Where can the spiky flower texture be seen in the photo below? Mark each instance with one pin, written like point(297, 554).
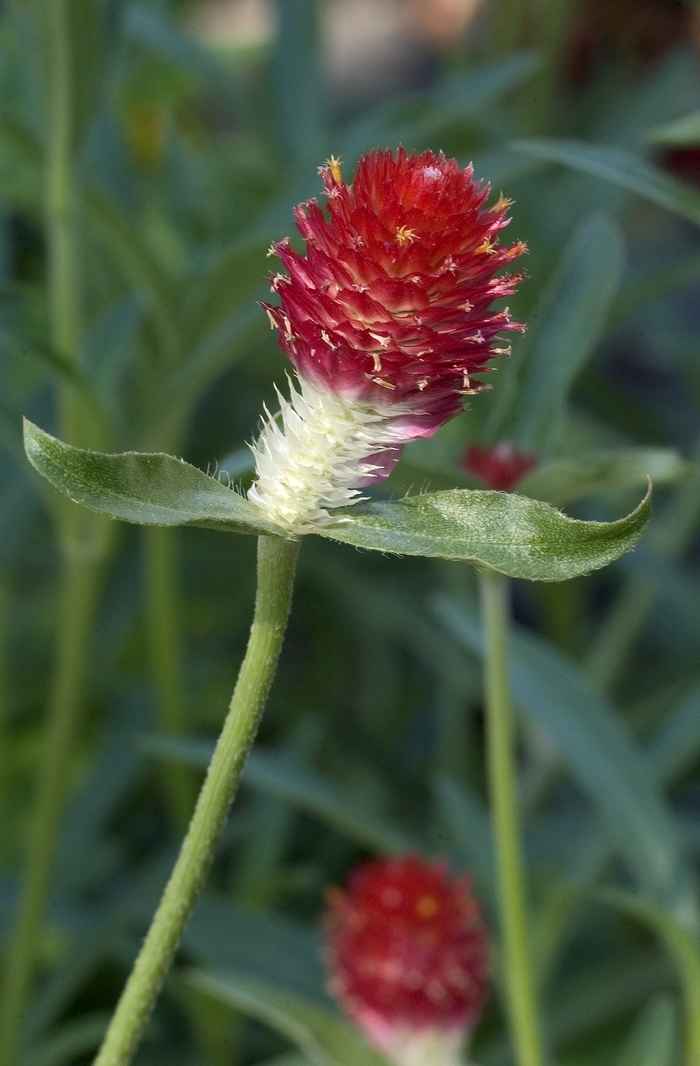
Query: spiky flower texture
point(408, 957)
point(386, 319)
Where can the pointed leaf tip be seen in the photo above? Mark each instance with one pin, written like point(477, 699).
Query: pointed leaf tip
point(149, 489)
point(511, 534)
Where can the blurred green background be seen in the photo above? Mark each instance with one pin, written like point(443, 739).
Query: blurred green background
point(190, 130)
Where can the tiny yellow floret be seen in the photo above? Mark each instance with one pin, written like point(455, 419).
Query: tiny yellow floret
point(334, 164)
point(404, 235)
point(427, 907)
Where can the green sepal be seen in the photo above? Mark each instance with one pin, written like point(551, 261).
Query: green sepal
point(149, 489)
point(511, 534)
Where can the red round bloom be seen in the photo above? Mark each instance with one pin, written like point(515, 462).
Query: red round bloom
point(407, 951)
point(499, 468)
point(392, 302)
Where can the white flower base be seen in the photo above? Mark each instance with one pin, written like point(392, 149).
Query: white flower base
point(315, 453)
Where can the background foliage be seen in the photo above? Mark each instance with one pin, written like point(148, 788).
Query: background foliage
point(188, 160)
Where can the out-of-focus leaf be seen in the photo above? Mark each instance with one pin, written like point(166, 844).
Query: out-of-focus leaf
point(568, 322)
point(621, 168)
point(560, 481)
point(141, 272)
point(266, 946)
point(72, 1041)
point(298, 786)
point(652, 1041)
point(147, 489)
point(684, 951)
point(682, 131)
point(470, 834)
point(458, 97)
point(507, 533)
point(235, 277)
point(299, 98)
point(239, 333)
point(601, 756)
point(681, 273)
point(675, 747)
point(599, 993)
point(323, 1036)
point(18, 502)
point(146, 27)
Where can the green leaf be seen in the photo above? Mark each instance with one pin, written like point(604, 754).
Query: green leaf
point(575, 476)
point(232, 279)
point(508, 533)
point(261, 944)
point(73, 1040)
point(601, 755)
point(147, 489)
point(470, 834)
point(324, 1037)
point(652, 1041)
point(685, 130)
point(674, 748)
point(118, 233)
point(684, 951)
point(296, 77)
point(620, 168)
point(302, 788)
point(568, 323)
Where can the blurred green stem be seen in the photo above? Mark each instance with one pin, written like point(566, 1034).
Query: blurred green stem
point(500, 744)
point(276, 565)
point(83, 539)
point(81, 585)
point(163, 618)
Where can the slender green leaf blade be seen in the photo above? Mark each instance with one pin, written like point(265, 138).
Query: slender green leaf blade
point(325, 1038)
point(675, 747)
point(682, 948)
point(682, 131)
point(507, 533)
point(305, 789)
point(567, 325)
point(155, 489)
point(652, 1041)
point(620, 168)
point(574, 476)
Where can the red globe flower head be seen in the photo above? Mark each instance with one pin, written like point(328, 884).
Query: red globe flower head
point(392, 302)
point(407, 953)
point(386, 318)
point(500, 468)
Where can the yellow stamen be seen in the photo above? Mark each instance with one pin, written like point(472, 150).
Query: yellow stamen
point(334, 164)
point(485, 248)
point(427, 907)
point(404, 235)
point(502, 204)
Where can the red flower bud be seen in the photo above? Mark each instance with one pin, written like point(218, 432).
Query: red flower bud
point(408, 956)
point(499, 468)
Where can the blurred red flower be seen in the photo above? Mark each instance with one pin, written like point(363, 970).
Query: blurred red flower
point(499, 468)
point(407, 951)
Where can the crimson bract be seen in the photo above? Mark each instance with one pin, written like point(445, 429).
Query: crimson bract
point(386, 318)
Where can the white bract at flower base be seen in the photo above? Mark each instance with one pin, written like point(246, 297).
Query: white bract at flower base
point(427, 1047)
point(318, 452)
